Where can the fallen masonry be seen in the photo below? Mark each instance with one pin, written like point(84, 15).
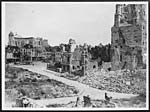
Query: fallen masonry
point(121, 81)
point(57, 102)
point(34, 86)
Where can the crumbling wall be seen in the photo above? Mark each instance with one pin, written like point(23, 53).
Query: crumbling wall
point(127, 46)
point(75, 65)
point(106, 65)
point(92, 65)
point(130, 14)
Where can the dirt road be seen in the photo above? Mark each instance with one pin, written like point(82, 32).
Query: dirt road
point(84, 89)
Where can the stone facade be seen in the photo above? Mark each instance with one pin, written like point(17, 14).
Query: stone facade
point(17, 40)
point(45, 43)
point(129, 37)
point(71, 59)
point(9, 56)
point(75, 59)
point(38, 45)
point(79, 60)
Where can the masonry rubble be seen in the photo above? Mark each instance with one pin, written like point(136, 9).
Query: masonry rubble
point(76, 60)
point(121, 81)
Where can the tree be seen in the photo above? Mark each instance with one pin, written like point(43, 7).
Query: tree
point(102, 51)
point(48, 49)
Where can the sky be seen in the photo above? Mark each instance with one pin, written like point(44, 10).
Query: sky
point(58, 22)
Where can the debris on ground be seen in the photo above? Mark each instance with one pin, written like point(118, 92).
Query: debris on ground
point(34, 86)
point(117, 81)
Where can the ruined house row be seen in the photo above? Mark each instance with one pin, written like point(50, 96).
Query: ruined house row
point(76, 59)
point(29, 46)
point(17, 40)
point(128, 37)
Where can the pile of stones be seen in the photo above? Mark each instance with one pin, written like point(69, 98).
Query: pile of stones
point(37, 86)
point(117, 81)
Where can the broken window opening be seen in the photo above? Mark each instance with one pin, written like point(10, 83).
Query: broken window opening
point(94, 66)
point(68, 59)
point(120, 57)
point(143, 27)
point(123, 40)
point(136, 41)
point(73, 67)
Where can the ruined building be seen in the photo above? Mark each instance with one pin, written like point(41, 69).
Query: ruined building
point(37, 46)
point(128, 37)
point(76, 59)
point(17, 40)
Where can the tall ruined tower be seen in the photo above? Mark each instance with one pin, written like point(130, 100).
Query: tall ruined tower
point(117, 15)
point(72, 45)
point(84, 59)
point(128, 36)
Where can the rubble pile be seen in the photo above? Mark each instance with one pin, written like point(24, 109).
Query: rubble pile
point(36, 86)
point(117, 81)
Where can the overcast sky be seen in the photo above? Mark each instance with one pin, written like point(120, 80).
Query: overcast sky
point(86, 23)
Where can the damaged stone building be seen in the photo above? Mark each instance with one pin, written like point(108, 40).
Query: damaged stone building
point(129, 37)
point(17, 40)
point(31, 46)
point(77, 59)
